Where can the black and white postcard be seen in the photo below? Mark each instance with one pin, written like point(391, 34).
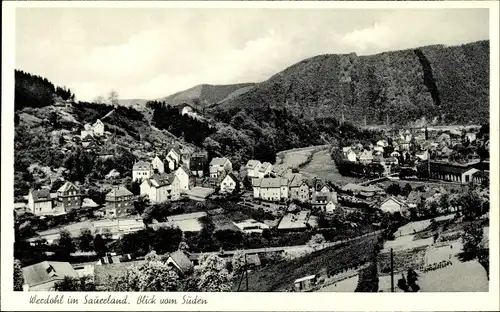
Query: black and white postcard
point(292, 155)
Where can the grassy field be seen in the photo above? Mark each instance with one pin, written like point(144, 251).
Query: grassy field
point(280, 276)
point(323, 166)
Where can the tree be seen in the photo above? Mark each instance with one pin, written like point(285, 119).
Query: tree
point(237, 263)
point(151, 275)
point(113, 97)
point(406, 190)
point(412, 278)
point(183, 246)
point(83, 283)
point(141, 203)
point(394, 189)
point(472, 238)
point(214, 276)
point(471, 203)
point(135, 187)
point(18, 276)
point(99, 245)
point(317, 239)
point(65, 244)
point(85, 240)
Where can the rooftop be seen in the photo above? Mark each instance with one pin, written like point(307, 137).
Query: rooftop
point(46, 271)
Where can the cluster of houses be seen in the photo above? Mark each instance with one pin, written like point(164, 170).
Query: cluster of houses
point(281, 184)
point(42, 202)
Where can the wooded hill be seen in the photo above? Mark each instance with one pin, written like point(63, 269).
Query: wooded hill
point(446, 85)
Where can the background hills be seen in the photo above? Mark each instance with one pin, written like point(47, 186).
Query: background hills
point(300, 106)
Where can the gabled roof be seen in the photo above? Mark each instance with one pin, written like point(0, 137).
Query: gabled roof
point(161, 179)
point(66, 186)
point(232, 176)
point(366, 154)
point(119, 192)
point(41, 195)
point(175, 150)
point(252, 164)
point(273, 182)
point(184, 168)
point(256, 182)
point(182, 261)
point(142, 165)
point(346, 149)
point(264, 166)
point(156, 158)
point(393, 199)
point(218, 161)
point(297, 180)
point(46, 271)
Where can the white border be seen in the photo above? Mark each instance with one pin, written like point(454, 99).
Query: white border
point(253, 301)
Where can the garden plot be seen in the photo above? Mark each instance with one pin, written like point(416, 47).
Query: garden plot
point(467, 276)
point(347, 285)
point(403, 260)
point(436, 254)
point(406, 242)
point(417, 226)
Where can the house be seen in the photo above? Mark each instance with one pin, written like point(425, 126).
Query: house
point(142, 170)
point(252, 167)
point(40, 202)
point(43, 276)
point(197, 163)
point(392, 205)
point(228, 184)
point(451, 172)
point(173, 158)
point(161, 187)
point(186, 178)
point(251, 226)
point(480, 177)
point(88, 140)
point(350, 155)
point(378, 150)
point(84, 133)
point(118, 201)
point(422, 155)
point(366, 157)
point(218, 165)
point(158, 165)
point(382, 143)
point(299, 188)
point(264, 169)
point(181, 263)
point(98, 128)
point(326, 201)
point(271, 189)
point(69, 196)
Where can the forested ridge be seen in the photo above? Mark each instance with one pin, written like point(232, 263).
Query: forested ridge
point(446, 85)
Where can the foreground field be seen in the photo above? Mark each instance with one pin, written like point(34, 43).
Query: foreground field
point(280, 276)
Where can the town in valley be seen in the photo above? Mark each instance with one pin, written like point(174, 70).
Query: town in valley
point(341, 173)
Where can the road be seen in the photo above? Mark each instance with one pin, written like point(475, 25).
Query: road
point(289, 248)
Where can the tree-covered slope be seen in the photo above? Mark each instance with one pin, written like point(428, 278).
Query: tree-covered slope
point(444, 84)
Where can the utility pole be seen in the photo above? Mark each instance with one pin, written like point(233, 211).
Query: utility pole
point(246, 271)
point(392, 271)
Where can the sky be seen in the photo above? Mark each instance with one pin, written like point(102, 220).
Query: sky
point(153, 52)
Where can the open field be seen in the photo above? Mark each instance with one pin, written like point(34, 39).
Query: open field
point(280, 276)
point(323, 166)
point(347, 285)
point(294, 158)
point(467, 276)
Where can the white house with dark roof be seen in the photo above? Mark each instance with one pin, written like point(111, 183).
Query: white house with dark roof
point(173, 158)
point(252, 167)
point(299, 187)
point(264, 169)
point(98, 128)
point(69, 196)
point(118, 201)
point(220, 166)
point(142, 170)
point(180, 262)
point(327, 201)
point(185, 177)
point(158, 165)
point(161, 188)
point(228, 184)
point(366, 156)
point(392, 205)
point(40, 202)
point(271, 189)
